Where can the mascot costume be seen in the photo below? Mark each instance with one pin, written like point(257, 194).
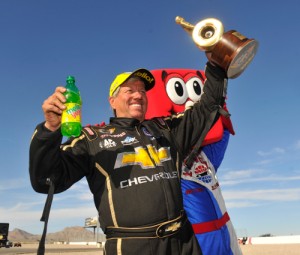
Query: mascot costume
point(175, 90)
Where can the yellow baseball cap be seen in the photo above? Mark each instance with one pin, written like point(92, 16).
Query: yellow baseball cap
point(144, 74)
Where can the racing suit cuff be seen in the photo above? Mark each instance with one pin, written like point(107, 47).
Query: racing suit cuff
point(44, 133)
point(216, 71)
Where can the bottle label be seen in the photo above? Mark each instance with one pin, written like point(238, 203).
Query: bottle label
point(72, 113)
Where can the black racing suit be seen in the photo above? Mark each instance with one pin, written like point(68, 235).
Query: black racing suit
point(132, 169)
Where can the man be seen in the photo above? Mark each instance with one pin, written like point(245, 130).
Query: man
point(132, 165)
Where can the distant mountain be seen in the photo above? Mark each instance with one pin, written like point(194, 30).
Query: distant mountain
point(72, 234)
point(69, 234)
point(21, 235)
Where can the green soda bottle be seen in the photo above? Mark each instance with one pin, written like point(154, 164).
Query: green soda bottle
point(71, 116)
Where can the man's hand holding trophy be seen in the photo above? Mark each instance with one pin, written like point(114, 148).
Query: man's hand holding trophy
point(230, 50)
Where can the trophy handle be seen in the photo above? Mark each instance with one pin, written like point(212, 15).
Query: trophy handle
point(188, 27)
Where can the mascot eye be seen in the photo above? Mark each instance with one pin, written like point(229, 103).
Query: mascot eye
point(176, 90)
point(195, 88)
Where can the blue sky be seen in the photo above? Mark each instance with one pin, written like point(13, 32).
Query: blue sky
point(42, 42)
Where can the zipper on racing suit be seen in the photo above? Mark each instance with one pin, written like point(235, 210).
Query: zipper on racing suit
point(158, 133)
point(144, 145)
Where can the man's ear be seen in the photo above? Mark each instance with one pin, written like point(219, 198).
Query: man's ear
point(111, 102)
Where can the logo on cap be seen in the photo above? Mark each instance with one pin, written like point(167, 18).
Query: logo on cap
point(145, 76)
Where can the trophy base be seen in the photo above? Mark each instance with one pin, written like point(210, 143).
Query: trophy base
point(242, 59)
point(234, 52)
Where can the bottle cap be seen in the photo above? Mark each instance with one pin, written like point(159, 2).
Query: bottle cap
point(70, 79)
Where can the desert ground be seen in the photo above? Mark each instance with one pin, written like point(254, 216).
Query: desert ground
point(248, 249)
point(271, 249)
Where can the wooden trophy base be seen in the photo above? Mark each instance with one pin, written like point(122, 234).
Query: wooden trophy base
point(234, 52)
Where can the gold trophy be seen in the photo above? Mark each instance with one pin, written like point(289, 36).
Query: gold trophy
point(230, 50)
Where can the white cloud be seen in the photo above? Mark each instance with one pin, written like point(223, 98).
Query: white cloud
point(255, 175)
point(297, 146)
point(264, 162)
point(18, 214)
point(12, 184)
point(73, 213)
point(238, 174)
point(80, 185)
point(263, 195)
point(79, 191)
point(274, 151)
point(267, 179)
point(280, 155)
point(240, 204)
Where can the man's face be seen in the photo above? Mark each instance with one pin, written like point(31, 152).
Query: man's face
point(131, 100)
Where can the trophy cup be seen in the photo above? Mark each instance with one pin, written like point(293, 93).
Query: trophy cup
point(230, 50)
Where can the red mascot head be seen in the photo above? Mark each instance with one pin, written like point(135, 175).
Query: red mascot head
point(177, 89)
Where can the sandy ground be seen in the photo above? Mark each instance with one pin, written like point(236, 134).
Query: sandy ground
point(271, 249)
point(64, 249)
point(248, 249)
